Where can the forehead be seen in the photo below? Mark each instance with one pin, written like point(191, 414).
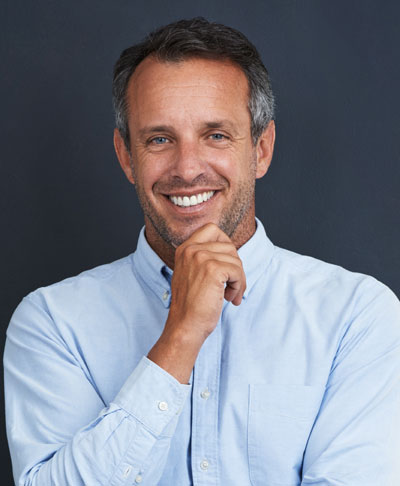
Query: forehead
point(193, 86)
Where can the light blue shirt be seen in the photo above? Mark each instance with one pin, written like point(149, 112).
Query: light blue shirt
point(300, 384)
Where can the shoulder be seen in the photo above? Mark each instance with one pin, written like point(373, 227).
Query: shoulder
point(364, 300)
point(97, 277)
point(310, 270)
point(72, 297)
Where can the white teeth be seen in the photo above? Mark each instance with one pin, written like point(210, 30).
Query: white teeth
point(186, 201)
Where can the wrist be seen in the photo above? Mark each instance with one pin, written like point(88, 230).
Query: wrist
point(176, 352)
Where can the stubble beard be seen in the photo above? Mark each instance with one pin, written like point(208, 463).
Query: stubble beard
point(229, 219)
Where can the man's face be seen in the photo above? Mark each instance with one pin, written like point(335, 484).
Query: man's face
point(192, 157)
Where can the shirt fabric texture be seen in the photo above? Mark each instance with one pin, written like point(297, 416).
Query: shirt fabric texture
point(299, 385)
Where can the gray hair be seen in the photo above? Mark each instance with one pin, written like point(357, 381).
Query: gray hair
point(200, 38)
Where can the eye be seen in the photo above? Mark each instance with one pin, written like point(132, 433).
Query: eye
point(218, 136)
point(159, 140)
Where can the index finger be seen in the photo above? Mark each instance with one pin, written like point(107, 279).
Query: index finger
point(207, 233)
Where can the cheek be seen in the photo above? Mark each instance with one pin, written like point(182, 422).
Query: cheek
point(236, 166)
point(149, 169)
point(223, 159)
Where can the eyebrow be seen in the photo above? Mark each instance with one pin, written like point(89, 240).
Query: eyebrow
point(155, 129)
point(217, 124)
point(222, 124)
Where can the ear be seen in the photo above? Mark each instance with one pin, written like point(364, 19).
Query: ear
point(123, 155)
point(265, 149)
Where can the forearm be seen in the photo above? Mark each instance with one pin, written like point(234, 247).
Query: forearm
point(176, 353)
point(207, 270)
point(99, 454)
point(129, 438)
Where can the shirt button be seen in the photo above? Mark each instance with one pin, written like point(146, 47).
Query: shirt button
point(127, 471)
point(165, 295)
point(204, 465)
point(205, 394)
point(163, 406)
point(138, 479)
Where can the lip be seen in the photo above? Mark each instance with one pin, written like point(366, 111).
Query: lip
point(187, 193)
point(191, 209)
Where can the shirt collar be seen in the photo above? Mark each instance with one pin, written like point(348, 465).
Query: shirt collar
point(151, 270)
point(255, 254)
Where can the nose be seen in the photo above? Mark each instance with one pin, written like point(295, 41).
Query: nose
point(188, 162)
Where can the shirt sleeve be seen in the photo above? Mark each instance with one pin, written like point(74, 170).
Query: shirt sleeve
point(60, 432)
point(355, 440)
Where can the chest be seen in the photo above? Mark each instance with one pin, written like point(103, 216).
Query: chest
point(257, 386)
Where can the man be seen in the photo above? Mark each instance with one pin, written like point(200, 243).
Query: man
point(209, 356)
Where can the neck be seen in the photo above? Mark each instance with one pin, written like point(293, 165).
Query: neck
point(163, 249)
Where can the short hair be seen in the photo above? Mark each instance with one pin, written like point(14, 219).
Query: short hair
point(197, 38)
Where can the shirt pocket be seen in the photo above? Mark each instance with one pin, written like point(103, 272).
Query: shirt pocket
point(279, 424)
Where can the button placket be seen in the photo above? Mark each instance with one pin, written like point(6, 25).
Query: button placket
point(206, 374)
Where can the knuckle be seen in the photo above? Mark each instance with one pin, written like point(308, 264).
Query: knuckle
point(232, 249)
point(187, 252)
point(179, 250)
point(200, 256)
point(210, 266)
point(211, 226)
point(237, 260)
point(213, 229)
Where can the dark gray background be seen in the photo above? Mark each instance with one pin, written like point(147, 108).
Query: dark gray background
point(333, 188)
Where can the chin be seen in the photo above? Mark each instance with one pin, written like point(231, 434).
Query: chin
point(177, 237)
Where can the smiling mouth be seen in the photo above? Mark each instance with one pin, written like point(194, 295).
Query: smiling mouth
point(192, 200)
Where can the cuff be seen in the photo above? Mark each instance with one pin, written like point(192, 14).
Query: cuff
point(152, 396)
